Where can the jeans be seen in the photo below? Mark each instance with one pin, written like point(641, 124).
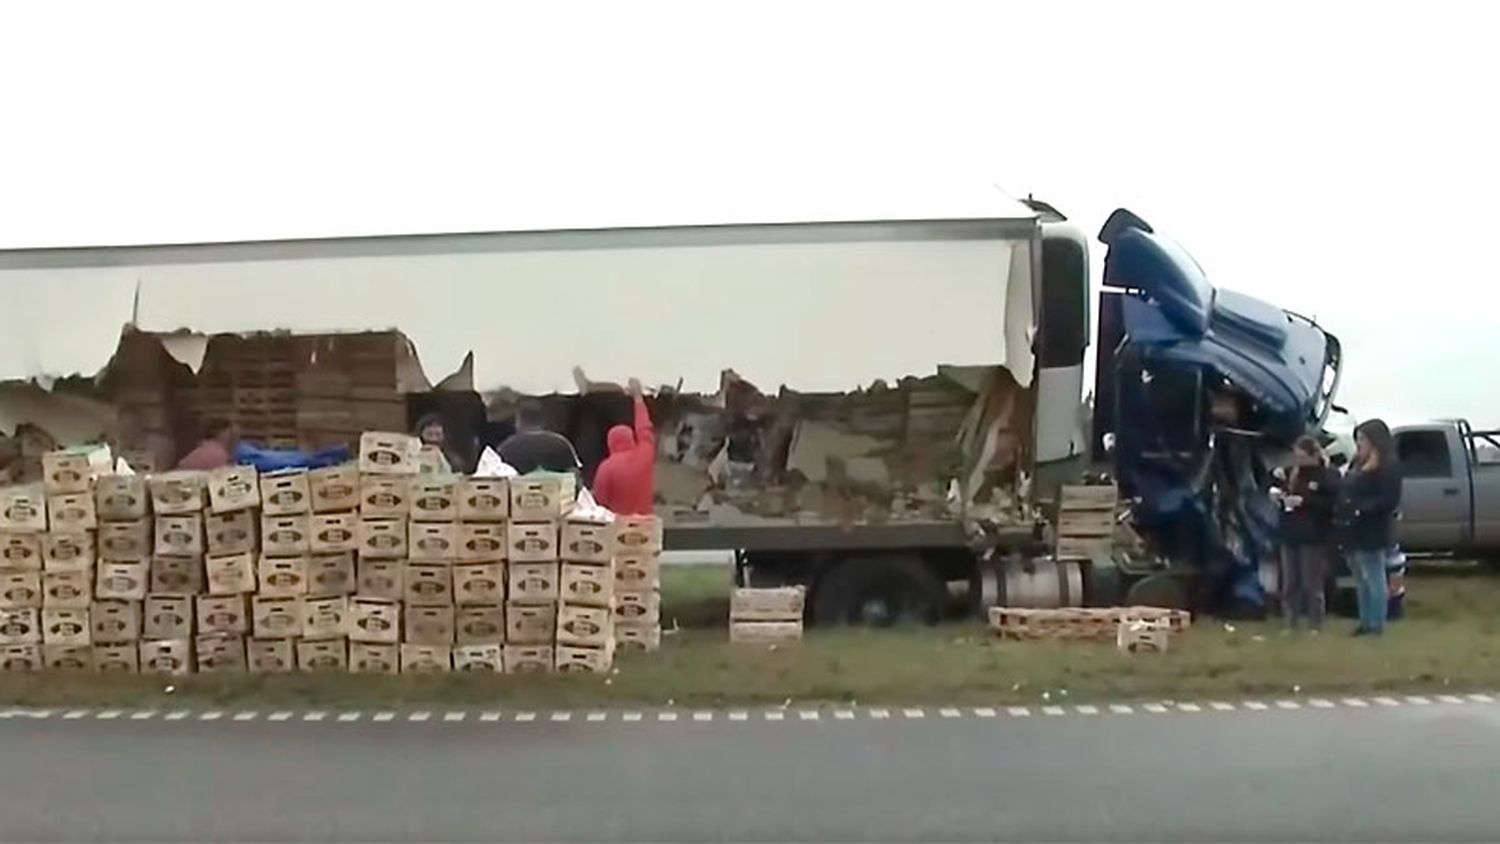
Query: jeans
point(1368, 567)
point(1304, 570)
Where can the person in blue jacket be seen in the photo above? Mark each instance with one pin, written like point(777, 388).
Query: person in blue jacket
point(1369, 500)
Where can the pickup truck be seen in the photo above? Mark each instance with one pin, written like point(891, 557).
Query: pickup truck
point(1450, 497)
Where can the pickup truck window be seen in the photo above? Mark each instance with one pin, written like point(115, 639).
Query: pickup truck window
point(1424, 454)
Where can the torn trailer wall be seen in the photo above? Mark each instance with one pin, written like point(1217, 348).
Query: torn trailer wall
point(817, 307)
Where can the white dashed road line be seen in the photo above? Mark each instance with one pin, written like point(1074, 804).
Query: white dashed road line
point(913, 713)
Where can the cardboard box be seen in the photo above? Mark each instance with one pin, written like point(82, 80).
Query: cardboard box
point(122, 581)
point(20, 590)
point(177, 492)
point(528, 659)
point(325, 618)
point(426, 659)
point(334, 489)
point(638, 536)
point(282, 577)
point(576, 660)
point(276, 618)
point(125, 542)
point(68, 657)
point(531, 543)
point(639, 608)
point(780, 604)
point(542, 498)
point(374, 657)
point(586, 627)
point(21, 658)
point(323, 655)
point(180, 535)
point(432, 541)
point(66, 472)
point(334, 532)
point(530, 625)
point(584, 542)
point(374, 621)
point(383, 453)
point(231, 489)
point(479, 625)
point(121, 498)
point(21, 550)
point(428, 585)
point(434, 498)
point(482, 543)
point(479, 583)
point(222, 615)
point(20, 627)
point(330, 575)
point(270, 656)
point(382, 540)
point(67, 589)
point(285, 536)
point(587, 584)
point(168, 617)
point(67, 551)
point(637, 637)
point(121, 658)
point(383, 497)
point(231, 533)
point(176, 575)
point(432, 461)
point(534, 583)
point(765, 632)
point(115, 622)
point(66, 627)
point(287, 492)
point(637, 574)
point(167, 656)
point(381, 580)
point(221, 654)
point(23, 508)
point(232, 574)
point(483, 500)
point(73, 512)
point(429, 625)
point(479, 658)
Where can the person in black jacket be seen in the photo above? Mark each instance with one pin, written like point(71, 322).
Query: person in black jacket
point(1307, 534)
point(1369, 499)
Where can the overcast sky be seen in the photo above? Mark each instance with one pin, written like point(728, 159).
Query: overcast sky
point(1337, 159)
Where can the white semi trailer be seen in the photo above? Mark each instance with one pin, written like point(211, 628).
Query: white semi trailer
point(895, 382)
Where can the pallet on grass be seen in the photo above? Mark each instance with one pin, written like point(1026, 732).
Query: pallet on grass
point(1099, 623)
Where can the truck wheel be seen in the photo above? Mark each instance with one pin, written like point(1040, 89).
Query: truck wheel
point(879, 592)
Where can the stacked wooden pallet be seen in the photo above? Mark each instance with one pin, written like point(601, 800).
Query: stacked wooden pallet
point(1085, 521)
point(766, 616)
point(1099, 623)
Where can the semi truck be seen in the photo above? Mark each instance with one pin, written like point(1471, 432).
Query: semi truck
point(876, 409)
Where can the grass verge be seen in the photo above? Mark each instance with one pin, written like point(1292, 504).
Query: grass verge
point(1450, 640)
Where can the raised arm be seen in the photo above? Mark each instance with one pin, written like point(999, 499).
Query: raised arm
point(645, 432)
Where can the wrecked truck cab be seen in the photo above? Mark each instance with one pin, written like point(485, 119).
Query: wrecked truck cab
point(1206, 387)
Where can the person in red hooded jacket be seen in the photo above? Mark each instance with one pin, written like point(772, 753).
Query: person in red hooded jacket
point(626, 480)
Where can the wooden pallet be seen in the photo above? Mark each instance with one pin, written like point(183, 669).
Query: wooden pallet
point(1100, 623)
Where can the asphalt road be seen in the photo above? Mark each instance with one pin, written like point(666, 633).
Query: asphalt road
point(1372, 773)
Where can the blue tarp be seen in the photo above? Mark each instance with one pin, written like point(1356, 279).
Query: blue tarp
point(270, 460)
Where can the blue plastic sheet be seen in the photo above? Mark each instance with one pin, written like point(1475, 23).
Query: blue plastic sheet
point(271, 460)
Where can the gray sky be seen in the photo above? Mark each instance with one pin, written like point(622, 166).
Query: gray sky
point(1337, 159)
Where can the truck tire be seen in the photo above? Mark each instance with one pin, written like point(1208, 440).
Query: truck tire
point(879, 591)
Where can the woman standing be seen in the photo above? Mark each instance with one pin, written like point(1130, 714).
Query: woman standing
point(1307, 534)
point(1371, 495)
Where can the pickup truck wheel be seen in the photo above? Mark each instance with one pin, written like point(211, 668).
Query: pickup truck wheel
point(879, 592)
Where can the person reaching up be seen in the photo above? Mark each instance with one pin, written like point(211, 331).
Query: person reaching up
point(626, 480)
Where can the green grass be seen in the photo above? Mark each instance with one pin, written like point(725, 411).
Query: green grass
point(1450, 640)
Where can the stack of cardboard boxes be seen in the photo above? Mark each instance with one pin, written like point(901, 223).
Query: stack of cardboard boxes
point(388, 565)
point(638, 545)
